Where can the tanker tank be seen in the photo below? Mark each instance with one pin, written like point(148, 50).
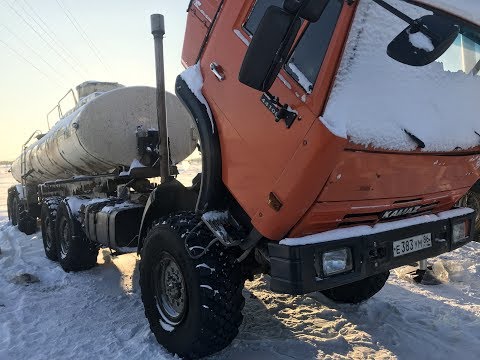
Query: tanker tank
point(99, 134)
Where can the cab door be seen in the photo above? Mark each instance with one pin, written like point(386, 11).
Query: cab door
point(256, 149)
point(201, 15)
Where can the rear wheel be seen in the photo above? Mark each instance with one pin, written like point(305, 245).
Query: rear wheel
point(74, 251)
point(48, 217)
point(14, 210)
point(26, 222)
point(194, 306)
point(358, 291)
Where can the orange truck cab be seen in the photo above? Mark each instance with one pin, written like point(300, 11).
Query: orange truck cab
point(345, 138)
point(337, 138)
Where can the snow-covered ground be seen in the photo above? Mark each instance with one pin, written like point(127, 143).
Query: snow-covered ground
point(98, 314)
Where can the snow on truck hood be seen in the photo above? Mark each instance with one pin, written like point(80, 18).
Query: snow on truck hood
point(375, 99)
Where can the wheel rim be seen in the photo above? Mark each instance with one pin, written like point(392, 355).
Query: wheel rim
point(170, 290)
point(15, 209)
point(48, 233)
point(64, 236)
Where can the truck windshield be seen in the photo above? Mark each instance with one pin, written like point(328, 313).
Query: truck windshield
point(381, 103)
point(464, 54)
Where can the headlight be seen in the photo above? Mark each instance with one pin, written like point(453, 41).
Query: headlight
point(337, 261)
point(460, 231)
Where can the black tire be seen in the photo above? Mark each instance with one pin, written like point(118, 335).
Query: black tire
point(472, 200)
point(14, 210)
point(26, 222)
point(210, 288)
point(74, 251)
point(358, 291)
point(48, 218)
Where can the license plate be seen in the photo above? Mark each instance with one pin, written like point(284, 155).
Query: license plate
point(413, 244)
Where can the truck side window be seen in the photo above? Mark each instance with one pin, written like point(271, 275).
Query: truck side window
point(257, 13)
point(307, 58)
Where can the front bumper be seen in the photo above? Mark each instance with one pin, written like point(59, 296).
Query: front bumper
point(294, 269)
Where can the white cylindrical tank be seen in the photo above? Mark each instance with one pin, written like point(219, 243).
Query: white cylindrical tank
point(100, 135)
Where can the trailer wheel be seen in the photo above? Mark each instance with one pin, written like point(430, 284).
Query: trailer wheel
point(14, 210)
point(48, 217)
point(26, 222)
point(358, 291)
point(194, 306)
point(74, 251)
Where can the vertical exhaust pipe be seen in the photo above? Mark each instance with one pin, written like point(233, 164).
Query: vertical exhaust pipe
point(158, 32)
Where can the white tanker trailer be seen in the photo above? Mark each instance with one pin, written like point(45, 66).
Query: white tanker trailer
point(101, 135)
point(108, 141)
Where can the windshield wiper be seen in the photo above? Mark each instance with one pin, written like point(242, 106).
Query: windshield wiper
point(419, 142)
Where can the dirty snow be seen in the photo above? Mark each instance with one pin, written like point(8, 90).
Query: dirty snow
point(136, 164)
point(302, 79)
point(384, 97)
point(98, 314)
point(241, 37)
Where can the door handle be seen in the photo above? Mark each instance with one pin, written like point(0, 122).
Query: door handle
point(217, 71)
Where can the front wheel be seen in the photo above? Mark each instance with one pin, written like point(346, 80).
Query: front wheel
point(358, 291)
point(472, 200)
point(194, 306)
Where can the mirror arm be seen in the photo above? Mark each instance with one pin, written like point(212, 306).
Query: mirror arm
point(395, 12)
point(285, 39)
point(406, 18)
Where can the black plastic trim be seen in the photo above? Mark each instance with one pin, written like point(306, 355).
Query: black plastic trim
point(212, 189)
point(293, 269)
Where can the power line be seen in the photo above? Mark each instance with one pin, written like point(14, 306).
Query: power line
point(52, 35)
point(35, 53)
point(41, 37)
point(82, 32)
point(28, 61)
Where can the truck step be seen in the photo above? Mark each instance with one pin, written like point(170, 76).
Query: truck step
point(223, 226)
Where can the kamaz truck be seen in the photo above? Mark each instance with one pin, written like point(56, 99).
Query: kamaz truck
point(336, 139)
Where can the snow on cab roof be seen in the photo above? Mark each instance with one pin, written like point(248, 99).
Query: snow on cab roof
point(466, 9)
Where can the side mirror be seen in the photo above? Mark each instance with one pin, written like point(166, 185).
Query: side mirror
point(310, 10)
point(269, 48)
point(423, 42)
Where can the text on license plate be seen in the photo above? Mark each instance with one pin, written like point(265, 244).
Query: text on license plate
point(415, 243)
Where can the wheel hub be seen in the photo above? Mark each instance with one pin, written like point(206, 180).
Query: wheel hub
point(170, 289)
point(48, 230)
point(64, 245)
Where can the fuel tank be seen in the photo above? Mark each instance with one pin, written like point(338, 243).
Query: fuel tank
point(100, 135)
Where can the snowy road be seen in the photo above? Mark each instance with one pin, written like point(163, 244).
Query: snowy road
point(98, 314)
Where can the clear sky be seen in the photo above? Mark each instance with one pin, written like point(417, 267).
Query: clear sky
point(119, 29)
